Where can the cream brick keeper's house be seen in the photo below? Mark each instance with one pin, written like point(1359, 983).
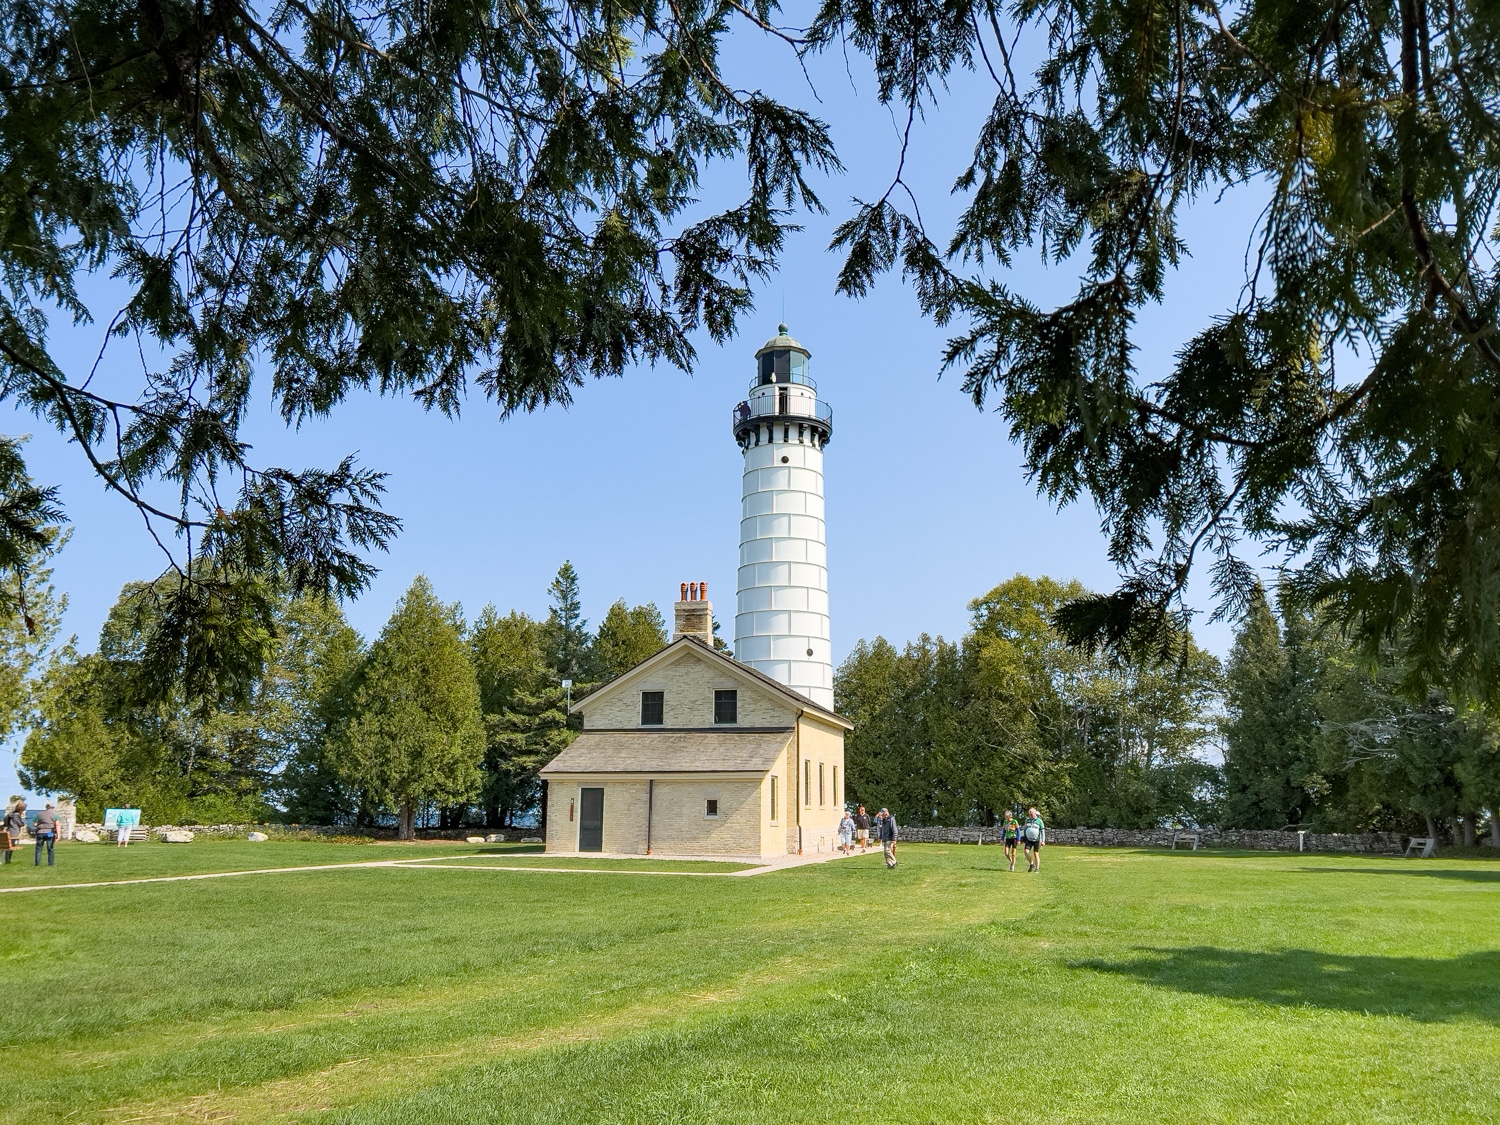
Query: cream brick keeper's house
point(693, 753)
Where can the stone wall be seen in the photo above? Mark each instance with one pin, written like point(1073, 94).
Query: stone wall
point(318, 831)
point(1374, 843)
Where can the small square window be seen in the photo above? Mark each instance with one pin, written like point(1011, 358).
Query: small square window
point(711, 807)
point(726, 706)
point(653, 708)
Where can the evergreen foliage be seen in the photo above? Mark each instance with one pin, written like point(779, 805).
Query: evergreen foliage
point(306, 201)
point(627, 635)
point(957, 733)
point(1317, 735)
point(566, 642)
point(1270, 732)
point(99, 739)
point(525, 721)
point(415, 734)
point(1344, 409)
point(316, 671)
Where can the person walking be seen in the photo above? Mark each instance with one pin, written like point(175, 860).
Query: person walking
point(887, 833)
point(46, 833)
point(14, 827)
point(862, 828)
point(1034, 833)
point(846, 833)
point(1010, 836)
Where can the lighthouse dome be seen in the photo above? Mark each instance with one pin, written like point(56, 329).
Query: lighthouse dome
point(782, 341)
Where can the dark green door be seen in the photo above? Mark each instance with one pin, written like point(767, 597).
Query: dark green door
point(591, 820)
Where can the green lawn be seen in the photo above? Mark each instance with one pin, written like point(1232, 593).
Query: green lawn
point(1125, 986)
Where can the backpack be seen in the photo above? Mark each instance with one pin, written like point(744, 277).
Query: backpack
point(1033, 832)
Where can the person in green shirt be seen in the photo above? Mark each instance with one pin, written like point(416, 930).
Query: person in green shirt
point(1010, 837)
point(1034, 835)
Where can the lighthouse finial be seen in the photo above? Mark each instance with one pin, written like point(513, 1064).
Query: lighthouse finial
point(781, 329)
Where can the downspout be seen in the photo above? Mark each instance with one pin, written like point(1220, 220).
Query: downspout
point(650, 793)
point(797, 774)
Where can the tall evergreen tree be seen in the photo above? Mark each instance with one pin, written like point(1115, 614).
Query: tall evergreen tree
point(525, 721)
point(627, 635)
point(568, 646)
point(416, 734)
point(1260, 738)
point(316, 669)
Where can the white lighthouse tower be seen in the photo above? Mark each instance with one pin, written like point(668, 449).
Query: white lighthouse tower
point(781, 617)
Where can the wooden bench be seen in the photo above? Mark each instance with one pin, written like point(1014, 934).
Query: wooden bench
point(1426, 843)
point(1184, 837)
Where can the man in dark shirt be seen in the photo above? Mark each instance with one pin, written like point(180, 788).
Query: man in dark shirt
point(887, 835)
point(46, 833)
point(862, 828)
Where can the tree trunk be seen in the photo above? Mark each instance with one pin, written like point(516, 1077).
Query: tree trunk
point(406, 821)
point(1495, 827)
point(1469, 840)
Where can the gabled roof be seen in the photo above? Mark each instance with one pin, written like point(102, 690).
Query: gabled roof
point(743, 671)
point(653, 751)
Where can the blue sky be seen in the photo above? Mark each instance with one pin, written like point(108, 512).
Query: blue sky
point(638, 482)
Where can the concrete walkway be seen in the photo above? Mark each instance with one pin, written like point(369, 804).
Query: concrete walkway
point(762, 866)
point(765, 867)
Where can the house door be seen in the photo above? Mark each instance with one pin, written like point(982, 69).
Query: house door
point(591, 820)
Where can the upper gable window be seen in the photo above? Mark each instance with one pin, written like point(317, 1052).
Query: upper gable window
point(726, 706)
point(653, 708)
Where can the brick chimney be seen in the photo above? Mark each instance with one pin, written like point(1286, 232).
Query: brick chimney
point(693, 615)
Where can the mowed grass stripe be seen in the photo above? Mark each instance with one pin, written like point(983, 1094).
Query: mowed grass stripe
point(543, 863)
point(1114, 986)
point(465, 967)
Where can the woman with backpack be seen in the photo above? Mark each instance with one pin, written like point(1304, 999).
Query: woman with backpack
point(1034, 834)
point(1010, 836)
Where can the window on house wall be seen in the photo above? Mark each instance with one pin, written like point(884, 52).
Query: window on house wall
point(711, 807)
point(822, 794)
point(653, 708)
point(726, 706)
point(807, 782)
point(773, 798)
point(838, 794)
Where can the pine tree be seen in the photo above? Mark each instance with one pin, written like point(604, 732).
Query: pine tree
point(1257, 793)
point(525, 722)
point(316, 670)
point(626, 637)
point(566, 639)
point(416, 734)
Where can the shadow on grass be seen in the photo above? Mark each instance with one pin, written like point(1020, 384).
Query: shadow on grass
point(514, 849)
point(1428, 989)
point(1470, 875)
